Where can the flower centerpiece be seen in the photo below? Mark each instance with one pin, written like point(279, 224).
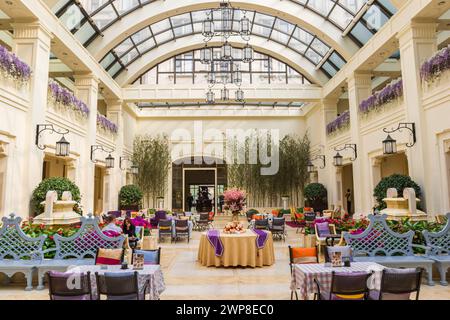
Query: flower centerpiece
point(11, 66)
point(234, 227)
point(234, 201)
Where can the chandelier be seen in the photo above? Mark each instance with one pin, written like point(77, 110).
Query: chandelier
point(226, 69)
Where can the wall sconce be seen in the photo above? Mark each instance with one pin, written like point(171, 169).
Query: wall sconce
point(311, 168)
point(338, 159)
point(62, 146)
point(390, 144)
point(109, 160)
point(134, 169)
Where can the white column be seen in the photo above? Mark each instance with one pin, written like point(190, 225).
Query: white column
point(32, 45)
point(359, 88)
point(117, 177)
point(86, 89)
point(417, 43)
point(327, 176)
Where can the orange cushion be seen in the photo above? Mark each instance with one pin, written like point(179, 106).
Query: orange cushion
point(307, 209)
point(351, 296)
point(275, 212)
point(303, 252)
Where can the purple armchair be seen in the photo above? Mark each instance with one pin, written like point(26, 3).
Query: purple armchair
point(159, 215)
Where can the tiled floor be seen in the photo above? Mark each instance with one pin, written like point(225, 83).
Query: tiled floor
point(185, 278)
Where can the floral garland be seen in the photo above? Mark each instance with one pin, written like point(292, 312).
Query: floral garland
point(66, 98)
point(106, 124)
point(12, 66)
point(391, 92)
point(340, 122)
point(437, 64)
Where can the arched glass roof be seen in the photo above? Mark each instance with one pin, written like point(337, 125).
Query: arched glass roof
point(359, 19)
point(169, 29)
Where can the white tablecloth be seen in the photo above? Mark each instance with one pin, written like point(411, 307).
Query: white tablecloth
point(304, 274)
point(151, 273)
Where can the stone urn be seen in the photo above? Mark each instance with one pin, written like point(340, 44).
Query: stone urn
point(58, 212)
point(285, 201)
point(398, 208)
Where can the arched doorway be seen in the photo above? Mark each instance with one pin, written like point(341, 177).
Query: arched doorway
point(194, 174)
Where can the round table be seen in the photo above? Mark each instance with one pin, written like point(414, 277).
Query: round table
point(239, 250)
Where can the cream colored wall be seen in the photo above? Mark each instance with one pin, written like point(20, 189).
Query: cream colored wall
point(396, 164)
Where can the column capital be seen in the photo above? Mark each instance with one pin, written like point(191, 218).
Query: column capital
point(114, 104)
point(86, 79)
point(359, 79)
point(418, 29)
point(31, 30)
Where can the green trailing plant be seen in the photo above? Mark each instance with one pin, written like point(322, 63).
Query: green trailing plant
point(59, 185)
point(151, 154)
point(130, 195)
point(316, 196)
point(398, 181)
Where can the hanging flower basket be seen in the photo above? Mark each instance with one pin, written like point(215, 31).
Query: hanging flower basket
point(391, 92)
point(436, 65)
point(106, 124)
point(12, 67)
point(340, 123)
point(65, 98)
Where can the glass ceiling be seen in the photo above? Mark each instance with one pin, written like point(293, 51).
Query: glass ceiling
point(151, 105)
point(87, 19)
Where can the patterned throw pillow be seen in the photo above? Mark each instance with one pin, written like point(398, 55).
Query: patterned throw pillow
point(109, 256)
point(323, 228)
point(151, 257)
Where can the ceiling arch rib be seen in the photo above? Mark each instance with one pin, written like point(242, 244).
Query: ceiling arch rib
point(172, 28)
point(115, 30)
point(194, 41)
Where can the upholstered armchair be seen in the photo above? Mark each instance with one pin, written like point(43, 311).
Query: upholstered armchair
point(159, 215)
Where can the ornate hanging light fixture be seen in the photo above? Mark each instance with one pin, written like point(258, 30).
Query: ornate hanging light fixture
point(223, 26)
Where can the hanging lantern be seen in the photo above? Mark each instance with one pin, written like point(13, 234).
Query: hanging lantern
point(389, 145)
point(310, 167)
point(211, 78)
point(227, 51)
point(208, 28)
point(210, 97)
point(109, 162)
point(134, 169)
point(224, 94)
point(239, 95)
point(237, 77)
point(337, 160)
point(227, 19)
point(62, 148)
point(247, 54)
point(206, 55)
point(245, 27)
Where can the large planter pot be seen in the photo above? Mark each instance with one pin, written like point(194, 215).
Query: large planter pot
point(160, 203)
point(285, 201)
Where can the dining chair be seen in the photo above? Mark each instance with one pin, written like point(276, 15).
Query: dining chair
point(300, 255)
point(182, 229)
point(120, 286)
point(345, 286)
point(165, 229)
point(69, 286)
point(203, 221)
point(278, 228)
point(262, 224)
point(398, 284)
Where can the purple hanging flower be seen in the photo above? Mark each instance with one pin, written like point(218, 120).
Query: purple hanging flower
point(106, 124)
point(437, 64)
point(339, 123)
point(391, 92)
point(67, 98)
point(12, 66)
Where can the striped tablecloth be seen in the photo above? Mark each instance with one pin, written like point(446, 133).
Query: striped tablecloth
point(304, 274)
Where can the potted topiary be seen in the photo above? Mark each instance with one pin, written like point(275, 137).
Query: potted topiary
point(316, 196)
point(130, 197)
point(58, 184)
point(398, 181)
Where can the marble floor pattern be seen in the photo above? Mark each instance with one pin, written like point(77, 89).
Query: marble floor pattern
point(185, 278)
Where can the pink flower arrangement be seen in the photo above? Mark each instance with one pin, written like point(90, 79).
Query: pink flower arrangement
point(234, 199)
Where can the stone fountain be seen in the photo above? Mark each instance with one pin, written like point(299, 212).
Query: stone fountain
point(403, 207)
point(58, 212)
